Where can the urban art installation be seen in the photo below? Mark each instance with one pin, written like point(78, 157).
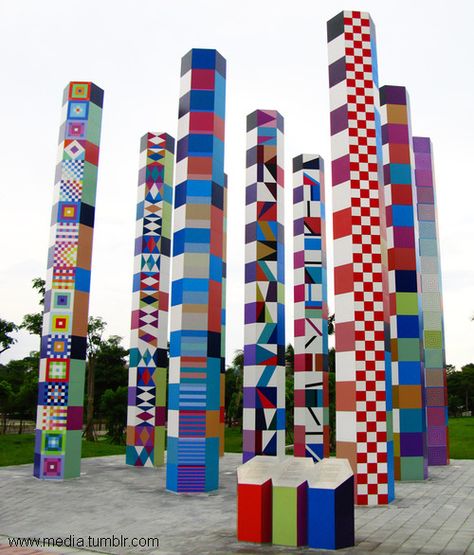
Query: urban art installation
point(264, 320)
point(146, 416)
point(409, 427)
point(311, 387)
point(432, 305)
point(66, 304)
point(194, 390)
point(363, 376)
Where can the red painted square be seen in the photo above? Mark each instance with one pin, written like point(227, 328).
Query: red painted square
point(343, 279)
point(342, 223)
point(202, 79)
point(201, 122)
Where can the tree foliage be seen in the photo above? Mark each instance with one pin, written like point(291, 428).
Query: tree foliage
point(113, 405)
point(20, 397)
point(460, 389)
point(6, 340)
point(33, 322)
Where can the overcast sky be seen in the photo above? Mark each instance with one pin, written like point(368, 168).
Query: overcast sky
point(276, 59)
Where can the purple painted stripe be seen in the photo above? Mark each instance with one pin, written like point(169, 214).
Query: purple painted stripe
point(421, 144)
point(337, 72)
point(424, 178)
point(341, 170)
point(339, 119)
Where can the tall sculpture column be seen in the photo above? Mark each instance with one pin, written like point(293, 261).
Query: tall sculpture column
point(264, 331)
point(311, 388)
point(66, 305)
point(432, 305)
point(363, 375)
point(147, 385)
point(409, 428)
point(194, 398)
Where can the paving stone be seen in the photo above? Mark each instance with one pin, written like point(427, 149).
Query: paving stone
point(111, 499)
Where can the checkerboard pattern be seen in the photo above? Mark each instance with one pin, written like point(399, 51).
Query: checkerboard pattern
point(66, 307)
point(432, 305)
point(409, 427)
point(150, 297)
point(196, 317)
point(264, 320)
point(363, 377)
point(311, 388)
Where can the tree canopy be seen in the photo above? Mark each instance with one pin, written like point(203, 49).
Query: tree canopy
point(6, 340)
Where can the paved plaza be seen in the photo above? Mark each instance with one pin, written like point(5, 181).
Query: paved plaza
point(111, 499)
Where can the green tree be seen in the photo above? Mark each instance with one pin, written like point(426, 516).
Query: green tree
point(22, 377)
point(331, 324)
point(111, 370)
point(34, 322)
point(95, 331)
point(6, 401)
point(113, 405)
point(455, 393)
point(234, 388)
point(6, 328)
point(467, 381)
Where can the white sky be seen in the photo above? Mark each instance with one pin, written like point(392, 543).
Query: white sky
point(276, 59)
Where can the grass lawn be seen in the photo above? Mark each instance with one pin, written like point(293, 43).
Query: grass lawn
point(18, 449)
point(461, 437)
point(233, 440)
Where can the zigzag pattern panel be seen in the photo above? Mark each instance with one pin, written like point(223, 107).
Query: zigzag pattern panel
point(195, 375)
point(311, 386)
point(432, 305)
point(363, 376)
point(66, 305)
point(409, 427)
point(264, 329)
point(146, 417)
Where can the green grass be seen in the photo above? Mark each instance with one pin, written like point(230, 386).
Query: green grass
point(233, 440)
point(461, 437)
point(19, 449)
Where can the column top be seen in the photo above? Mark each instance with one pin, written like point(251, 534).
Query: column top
point(265, 118)
point(83, 91)
point(203, 58)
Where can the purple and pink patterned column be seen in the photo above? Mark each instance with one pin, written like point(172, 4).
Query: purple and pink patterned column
point(432, 305)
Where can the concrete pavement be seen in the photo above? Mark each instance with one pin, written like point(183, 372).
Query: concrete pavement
point(111, 500)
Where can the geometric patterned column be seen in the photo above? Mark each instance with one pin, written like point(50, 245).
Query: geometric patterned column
point(311, 390)
point(194, 399)
point(409, 427)
point(363, 373)
point(264, 330)
point(149, 327)
point(66, 305)
point(432, 304)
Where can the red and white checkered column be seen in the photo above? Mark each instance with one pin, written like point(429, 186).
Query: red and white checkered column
point(363, 380)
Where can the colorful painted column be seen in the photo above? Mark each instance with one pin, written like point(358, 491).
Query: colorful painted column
point(432, 304)
point(146, 416)
point(264, 331)
point(66, 306)
point(363, 375)
point(311, 389)
point(194, 399)
point(409, 428)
